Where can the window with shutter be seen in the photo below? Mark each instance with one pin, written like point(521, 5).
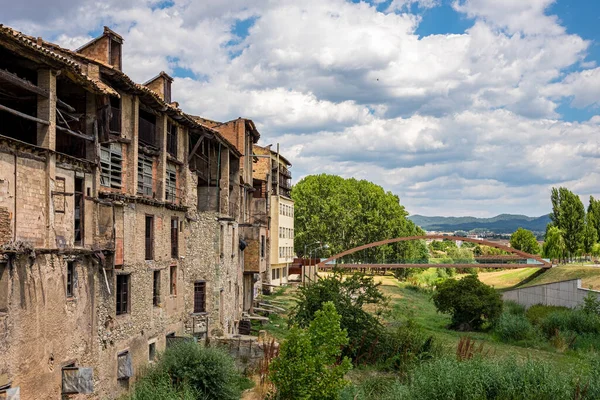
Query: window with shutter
point(124, 365)
point(174, 237)
point(111, 160)
point(149, 237)
point(122, 294)
point(145, 181)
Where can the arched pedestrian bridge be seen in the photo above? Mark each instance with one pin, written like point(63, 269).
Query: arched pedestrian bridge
point(515, 258)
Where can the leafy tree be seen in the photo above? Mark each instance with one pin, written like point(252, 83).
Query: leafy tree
point(470, 302)
point(568, 214)
point(346, 213)
point(593, 214)
point(524, 240)
point(349, 294)
point(590, 236)
point(554, 243)
point(307, 367)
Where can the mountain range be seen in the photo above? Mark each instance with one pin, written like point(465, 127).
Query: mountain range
point(503, 223)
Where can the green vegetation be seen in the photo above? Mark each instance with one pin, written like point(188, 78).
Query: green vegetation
point(524, 240)
point(344, 213)
point(470, 302)
point(572, 232)
point(307, 367)
point(190, 371)
point(349, 295)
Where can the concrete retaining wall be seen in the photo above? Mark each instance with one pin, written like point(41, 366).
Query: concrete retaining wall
point(566, 293)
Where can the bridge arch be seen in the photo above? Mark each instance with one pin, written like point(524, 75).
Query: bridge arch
point(542, 263)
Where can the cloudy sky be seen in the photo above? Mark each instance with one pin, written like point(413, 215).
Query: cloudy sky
point(461, 107)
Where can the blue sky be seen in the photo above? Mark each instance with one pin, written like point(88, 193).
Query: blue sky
point(460, 107)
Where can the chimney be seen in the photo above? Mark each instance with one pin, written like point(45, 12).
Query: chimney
point(161, 84)
point(107, 48)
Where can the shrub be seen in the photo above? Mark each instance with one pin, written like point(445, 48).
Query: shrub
point(348, 294)
point(470, 302)
point(210, 371)
point(576, 321)
point(513, 327)
point(308, 365)
point(398, 349)
point(376, 388)
point(188, 371)
point(591, 303)
point(156, 385)
point(536, 313)
point(512, 307)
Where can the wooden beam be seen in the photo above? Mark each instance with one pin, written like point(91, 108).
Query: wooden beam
point(22, 83)
point(195, 148)
point(22, 115)
point(64, 105)
point(77, 134)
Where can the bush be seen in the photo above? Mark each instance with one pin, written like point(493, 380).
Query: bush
point(513, 327)
point(210, 371)
point(348, 294)
point(536, 313)
point(570, 320)
point(399, 349)
point(500, 379)
point(189, 371)
point(308, 366)
point(591, 304)
point(470, 302)
point(514, 308)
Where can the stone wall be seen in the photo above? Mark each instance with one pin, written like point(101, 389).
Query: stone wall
point(566, 294)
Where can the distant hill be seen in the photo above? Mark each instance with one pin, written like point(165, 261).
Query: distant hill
point(503, 223)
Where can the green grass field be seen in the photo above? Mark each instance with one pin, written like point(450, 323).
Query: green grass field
point(406, 303)
point(590, 276)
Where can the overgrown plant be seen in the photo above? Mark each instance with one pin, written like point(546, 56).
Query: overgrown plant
point(471, 303)
point(310, 365)
point(349, 294)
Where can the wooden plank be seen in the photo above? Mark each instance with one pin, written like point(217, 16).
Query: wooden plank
point(77, 134)
point(22, 83)
point(22, 115)
point(195, 147)
point(64, 105)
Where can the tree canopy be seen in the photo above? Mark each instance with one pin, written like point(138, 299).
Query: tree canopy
point(524, 240)
point(345, 213)
point(568, 215)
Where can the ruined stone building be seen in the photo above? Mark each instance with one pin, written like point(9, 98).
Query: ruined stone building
point(122, 220)
point(272, 179)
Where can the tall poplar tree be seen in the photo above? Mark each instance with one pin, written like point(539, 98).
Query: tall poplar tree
point(568, 215)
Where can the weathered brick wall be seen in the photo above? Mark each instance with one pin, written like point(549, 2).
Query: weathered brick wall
point(43, 329)
point(98, 50)
point(31, 201)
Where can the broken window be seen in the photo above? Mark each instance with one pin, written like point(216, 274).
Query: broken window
point(200, 297)
point(122, 294)
point(124, 365)
point(114, 124)
point(173, 280)
point(70, 279)
point(4, 278)
point(147, 128)
point(149, 236)
point(262, 245)
point(156, 288)
point(19, 97)
point(151, 351)
point(78, 213)
point(174, 237)
point(111, 160)
point(171, 183)
point(145, 181)
point(172, 138)
point(77, 380)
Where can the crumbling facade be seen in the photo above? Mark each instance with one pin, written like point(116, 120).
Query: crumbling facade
point(122, 220)
point(273, 185)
